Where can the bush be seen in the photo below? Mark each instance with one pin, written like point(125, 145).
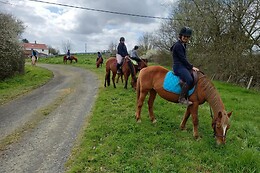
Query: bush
point(11, 57)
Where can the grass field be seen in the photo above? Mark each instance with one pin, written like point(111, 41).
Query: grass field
point(20, 84)
point(113, 142)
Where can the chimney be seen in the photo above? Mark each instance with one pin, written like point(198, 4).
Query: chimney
point(35, 42)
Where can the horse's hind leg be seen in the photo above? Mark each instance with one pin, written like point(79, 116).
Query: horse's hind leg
point(151, 99)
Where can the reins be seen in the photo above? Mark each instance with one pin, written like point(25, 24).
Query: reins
point(215, 126)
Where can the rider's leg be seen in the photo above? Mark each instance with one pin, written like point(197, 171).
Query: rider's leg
point(119, 63)
point(187, 79)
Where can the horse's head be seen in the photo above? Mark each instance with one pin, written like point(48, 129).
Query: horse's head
point(134, 82)
point(220, 125)
point(144, 63)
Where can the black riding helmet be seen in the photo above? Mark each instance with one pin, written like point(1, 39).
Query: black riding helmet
point(122, 39)
point(185, 31)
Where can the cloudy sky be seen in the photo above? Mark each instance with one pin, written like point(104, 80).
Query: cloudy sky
point(87, 30)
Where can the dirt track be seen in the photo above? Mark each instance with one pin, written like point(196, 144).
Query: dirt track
point(47, 120)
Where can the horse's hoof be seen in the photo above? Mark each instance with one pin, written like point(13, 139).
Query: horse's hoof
point(154, 121)
point(197, 137)
point(138, 121)
point(183, 128)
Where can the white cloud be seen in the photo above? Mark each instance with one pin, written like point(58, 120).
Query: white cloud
point(54, 24)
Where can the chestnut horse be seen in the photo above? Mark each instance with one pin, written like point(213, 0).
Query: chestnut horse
point(127, 69)
point(65, 59)
point(151, 79)
point(99, 62)
point(143, 63)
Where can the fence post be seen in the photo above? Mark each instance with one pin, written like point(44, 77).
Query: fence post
point(229, 78)
point(249, 83)
point(212, 78)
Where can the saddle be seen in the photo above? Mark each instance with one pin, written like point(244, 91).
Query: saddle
point(172, 83)
point(133, 61)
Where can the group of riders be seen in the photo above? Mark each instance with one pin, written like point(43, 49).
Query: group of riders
point(181, 66)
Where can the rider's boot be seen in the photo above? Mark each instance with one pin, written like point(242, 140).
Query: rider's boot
point(182, 99)
point(119, 70)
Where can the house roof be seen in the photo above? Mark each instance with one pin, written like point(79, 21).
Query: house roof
point(34, 46)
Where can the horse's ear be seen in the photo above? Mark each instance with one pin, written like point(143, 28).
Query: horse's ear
point(229, 114)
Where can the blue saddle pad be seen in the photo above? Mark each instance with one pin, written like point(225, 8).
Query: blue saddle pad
point(172, 84)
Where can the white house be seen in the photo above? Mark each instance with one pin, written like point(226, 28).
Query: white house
point(41, 49)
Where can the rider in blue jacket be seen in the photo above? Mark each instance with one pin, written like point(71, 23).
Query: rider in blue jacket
point(68, 55)
point(181, 65)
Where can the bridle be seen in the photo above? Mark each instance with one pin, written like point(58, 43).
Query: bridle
point(215, 126)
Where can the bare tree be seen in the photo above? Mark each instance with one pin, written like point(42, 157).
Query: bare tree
point(67, 45)
point(145, 41)
point(112, 48)
point(224, 33)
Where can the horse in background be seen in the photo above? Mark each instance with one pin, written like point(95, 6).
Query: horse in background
point(99, 62)
point(34, 60)
point(127, 70)
point(65, 59)
point(142, 64)
point(151, 80)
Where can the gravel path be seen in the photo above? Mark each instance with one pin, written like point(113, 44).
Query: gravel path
point(46, 146)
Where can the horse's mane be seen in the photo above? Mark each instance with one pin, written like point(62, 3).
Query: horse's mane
point(211, 94)
point(132, 70)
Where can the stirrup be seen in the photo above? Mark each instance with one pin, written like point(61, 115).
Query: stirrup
point(185, 101)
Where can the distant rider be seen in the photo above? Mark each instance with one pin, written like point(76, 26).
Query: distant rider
point(68, 55)
point(34, 53)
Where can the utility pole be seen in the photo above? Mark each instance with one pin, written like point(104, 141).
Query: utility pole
point(85, 47)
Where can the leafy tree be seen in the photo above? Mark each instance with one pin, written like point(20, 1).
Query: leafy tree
point(25, 40)
point(53, 51)
point(11, 57)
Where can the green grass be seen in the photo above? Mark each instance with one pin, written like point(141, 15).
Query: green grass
point(113, 142)
point(13, 87)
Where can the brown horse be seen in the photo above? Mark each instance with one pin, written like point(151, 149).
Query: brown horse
point(99, 62)
point(65, 59)
point(127, 69)
point(151, 79)
point(142, 64)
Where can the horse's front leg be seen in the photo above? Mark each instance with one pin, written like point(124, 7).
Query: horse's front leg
point(194, 113)
point(151, 99)
point(126, 80)
point(113, 79)
point(185, 118)
point(140, 101)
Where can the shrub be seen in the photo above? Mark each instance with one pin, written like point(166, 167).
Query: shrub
point(11, 57)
